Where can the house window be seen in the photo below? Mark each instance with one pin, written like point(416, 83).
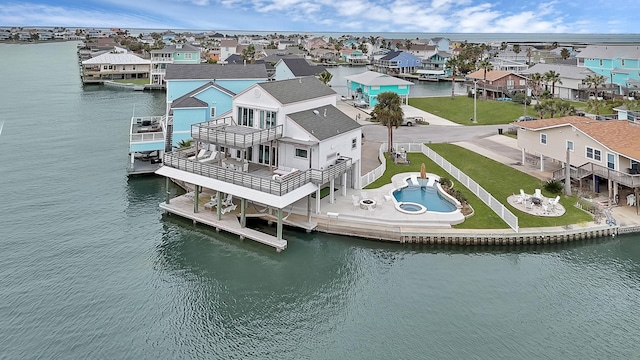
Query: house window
point(570, 145)
point(213, 112)
point(543, 139)
point(267, 119)
point(594, 154)
point(245, 117)
point(187, 56)
point(375, 88)
point(402, 86)
point(354, 143)
point(611, 161)
point(301, 153)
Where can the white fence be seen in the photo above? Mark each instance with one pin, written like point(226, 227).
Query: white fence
point(495, 205)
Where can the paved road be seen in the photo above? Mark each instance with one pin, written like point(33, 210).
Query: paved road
point(433, 133)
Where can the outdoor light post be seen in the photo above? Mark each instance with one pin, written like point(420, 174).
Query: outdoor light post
point(475, 97)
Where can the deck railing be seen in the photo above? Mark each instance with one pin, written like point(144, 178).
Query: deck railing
point(218, 134)
point(622, 178)
point(178, 159)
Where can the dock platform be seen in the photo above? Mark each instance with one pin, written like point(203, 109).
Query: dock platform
point(183, 206)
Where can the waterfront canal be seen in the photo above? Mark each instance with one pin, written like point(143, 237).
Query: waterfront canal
point(91, 268)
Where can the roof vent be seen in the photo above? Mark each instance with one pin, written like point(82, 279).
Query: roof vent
point(316, 112)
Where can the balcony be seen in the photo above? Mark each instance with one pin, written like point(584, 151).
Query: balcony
point(235, 136)
point(162, 60)
point(257, 180)
point(622, 178)
point(146, 129)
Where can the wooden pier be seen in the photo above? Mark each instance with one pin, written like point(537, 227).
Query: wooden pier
point(183, 206)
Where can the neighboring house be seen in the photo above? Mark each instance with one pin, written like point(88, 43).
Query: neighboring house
point(171, 54)
point(168, 37)
point(438, 62)
point(290, 68)
point(5, 35)
point(24, 36)
point(197, 93)
point(623, 113)
point(315, 43)
point(398, 62)
point(283, 44)
point(497, 84)
point(508, 65)
point(228, 47)
point(114, 66)
point(571, 85)
point(369, 84)
point(353, 57)
point(619, 64)
point(443, 44)
point(283, 141)
point(45, 35)
point(599, 151)
point(423, 51)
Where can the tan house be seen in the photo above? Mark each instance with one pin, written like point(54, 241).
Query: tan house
point(604, 152)
point(496, 83)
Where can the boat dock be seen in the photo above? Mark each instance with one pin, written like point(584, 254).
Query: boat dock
point(183, 206)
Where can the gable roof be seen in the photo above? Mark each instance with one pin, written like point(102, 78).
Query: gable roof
point(215, 71)
point(565, 71)
point(300, 67)
point(618, 135)
point(117, 59)
point(391, 55)
point(492, 75)
point(326, 123)
point(372, 78)
point(174, 48)
point(188, 99)
point(610, 52)
point(294, 90)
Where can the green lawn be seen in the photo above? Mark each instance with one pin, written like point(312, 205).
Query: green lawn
point(498, 179)
point(501, 181)
point(460, 109)
point(133, 81)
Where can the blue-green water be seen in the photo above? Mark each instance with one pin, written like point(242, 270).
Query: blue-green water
point(92, 269)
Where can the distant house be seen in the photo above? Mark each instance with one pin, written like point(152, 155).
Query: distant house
point(367, 85)
point(423, 51)
point(5, 35)
point(571, 85)
point(438, 62)
point(283, 44)
point(197, 93)
point(398, 62)
point(228, 47)
point(508, 65)
point(168, 37)
point(24, 36)
point(619, 64)
point(442, 43)
point(114, 66)
point(290, 68)
point(171, 54)
point(496, 83)
point(315, 43)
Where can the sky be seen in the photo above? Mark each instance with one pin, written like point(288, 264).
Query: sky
point(434, 16)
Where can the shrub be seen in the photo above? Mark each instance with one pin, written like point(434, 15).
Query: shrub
point(554, 186)
point(445, 181)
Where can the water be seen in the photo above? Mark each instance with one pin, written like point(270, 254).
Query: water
point(427, 196)
point(91, 268)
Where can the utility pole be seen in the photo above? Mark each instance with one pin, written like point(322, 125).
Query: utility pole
point(567, 174)
point(475, 98)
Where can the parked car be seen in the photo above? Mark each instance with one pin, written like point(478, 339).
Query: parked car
point(526, 118)
point(411, 120)
point(360, 104)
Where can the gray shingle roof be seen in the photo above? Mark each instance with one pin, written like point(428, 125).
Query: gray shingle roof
point(215, 71)
point(565, 71)
point(299, 89)
point(174, 48)
point(324, 127)
point(610, 52)
point(187, 100)
point(300, 67)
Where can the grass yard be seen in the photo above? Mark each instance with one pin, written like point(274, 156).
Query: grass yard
point(484, 217)
point(460, 109)
point(133, 81)
point(501, 181)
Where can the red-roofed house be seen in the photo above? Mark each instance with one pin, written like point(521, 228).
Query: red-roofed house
point(496, 83)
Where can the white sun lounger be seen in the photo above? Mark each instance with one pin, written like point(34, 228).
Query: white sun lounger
point(211, 157)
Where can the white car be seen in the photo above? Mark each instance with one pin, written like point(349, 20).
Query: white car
point(360, 104)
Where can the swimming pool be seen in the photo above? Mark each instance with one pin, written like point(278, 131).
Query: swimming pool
point(426, 196)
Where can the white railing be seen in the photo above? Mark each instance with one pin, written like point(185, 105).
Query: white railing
point(146, 137)
point(495, 205)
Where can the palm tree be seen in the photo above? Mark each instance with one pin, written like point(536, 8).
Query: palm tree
point(453, 63)
point(594, 81)
point(552, 77)
point(326, 77)
point(529, 53)
point(516, 49)
point(249, 53)
point(564, 53)
point(408, 44)
point(553, 108)
point(536, 80)
point(486, 66)
point(389, 113)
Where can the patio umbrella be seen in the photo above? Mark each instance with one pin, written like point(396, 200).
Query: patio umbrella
point(423, 171)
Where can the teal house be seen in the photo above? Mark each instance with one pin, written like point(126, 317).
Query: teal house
point(199, 93)
point(171, 54)
point(367, 85)
point(619, 64)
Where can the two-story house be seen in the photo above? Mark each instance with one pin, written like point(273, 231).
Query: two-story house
point(282, 142)
point(367, 85)
point(600, 152)
point(619, 64)
point(495, 83)
point(290, 68)
point(171, 54)
point(114, 66)
point(571, 85)
point(398, 62)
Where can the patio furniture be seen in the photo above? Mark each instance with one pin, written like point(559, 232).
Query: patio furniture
point(210, 158)
point(536, 201)
point(554, 202)
point(631, 200)
point(538, 194)
point(200, 155)
point(228, 209)
point(228, 201)
point(524, 196)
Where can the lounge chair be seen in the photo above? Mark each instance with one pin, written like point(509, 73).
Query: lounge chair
point(518, 199)
point(200, 155)
point(524, 196)
point(538, 194)
point(228, 209)
point(554, 202)
point(228, 201)
point(211, 157)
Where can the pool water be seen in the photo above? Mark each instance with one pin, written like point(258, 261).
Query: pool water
point(428, 196)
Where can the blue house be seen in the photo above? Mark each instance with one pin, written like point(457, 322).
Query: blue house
point(438, 62)
point(367, 85)
point(619, 64)
point(398, 62)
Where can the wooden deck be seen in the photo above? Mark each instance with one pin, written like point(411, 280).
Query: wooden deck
point(183, 206)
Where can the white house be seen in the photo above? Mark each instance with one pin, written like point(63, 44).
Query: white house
point(571, 85)
point(114, 66)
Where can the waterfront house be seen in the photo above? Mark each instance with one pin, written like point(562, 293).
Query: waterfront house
point(437, 62)
point(171, 54)
point(169, 37)
point(290, 68)
point(443, 44)
point(571, 85)
point(367, 85)
point(599, 151)
point(5, 35)
point(398, 62)
point(423, 51)
point(24, 36)
point(114, 66)
point(496, 83)
point(282, 142)
point(619, 64)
